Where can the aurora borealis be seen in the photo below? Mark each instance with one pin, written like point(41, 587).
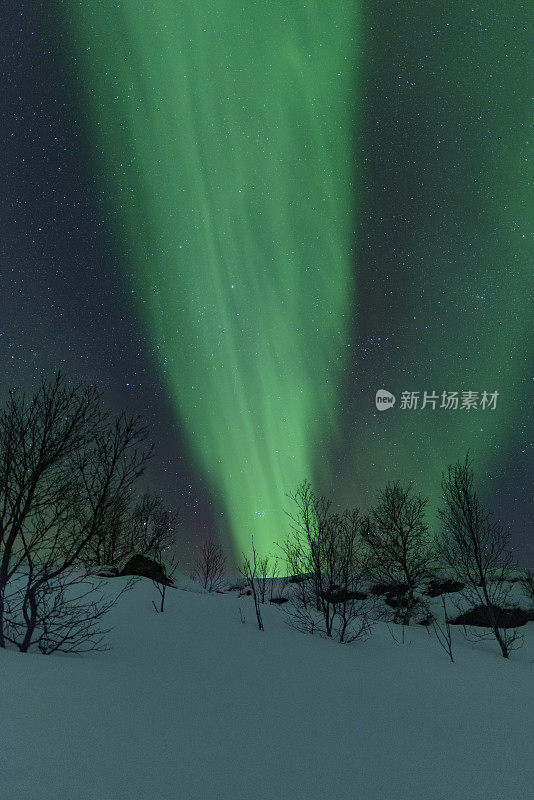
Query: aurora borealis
point(228, 136)
point(265, 213)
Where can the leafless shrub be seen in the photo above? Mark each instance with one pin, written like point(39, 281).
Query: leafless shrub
point(326, 551)
point(66, 469)
point(162, 533)
point(443, 632)
point(274, 576)
point(399, 639)
point(143, 528)
point(475, 549)
point(209, 569)
point(397, 537)
point(237, 586)
point(249, 570)
point(62, 614)
point(527, 584)
point(263, 572)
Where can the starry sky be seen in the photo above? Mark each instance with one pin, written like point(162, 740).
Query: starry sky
point(243, 221)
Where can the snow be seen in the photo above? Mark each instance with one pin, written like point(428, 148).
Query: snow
point(192, 704)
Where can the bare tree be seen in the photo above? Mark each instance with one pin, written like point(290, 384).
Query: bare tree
point(61, 613)
point(170, 569)
point(145, 528)
point(170, 565)
point(274, 576)
point(475, 550)
point(111, 544)
point(527, 584)
point(302, 549)
point(263, 571)
point(351, 603)
point(443, 633)
point(154, 527)
point(267, 575)
point(249, 570)
point(66, 467)
point(325, 554)
point(210, 566)
point(158, 532)
point(397, 537)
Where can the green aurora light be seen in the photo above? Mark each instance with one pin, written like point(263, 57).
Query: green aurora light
point(226, 135)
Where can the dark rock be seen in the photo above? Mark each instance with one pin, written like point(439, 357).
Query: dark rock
point(338, 595)
point(389, 588)
point(107, 572)
point(504, 617)
point(147, 568)
point(379, 588)
point(437, 588)
point(300, 578)
point(396, 600)
point(279, 600)
point(426, 621)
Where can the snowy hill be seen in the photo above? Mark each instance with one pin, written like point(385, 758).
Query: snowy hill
point(194, 705)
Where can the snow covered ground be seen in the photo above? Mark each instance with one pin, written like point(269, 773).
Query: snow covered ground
point(194, 705)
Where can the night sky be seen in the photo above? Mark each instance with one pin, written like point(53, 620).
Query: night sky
point(241, 221)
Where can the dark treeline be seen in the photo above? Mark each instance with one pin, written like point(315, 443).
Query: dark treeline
point(72, 516)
